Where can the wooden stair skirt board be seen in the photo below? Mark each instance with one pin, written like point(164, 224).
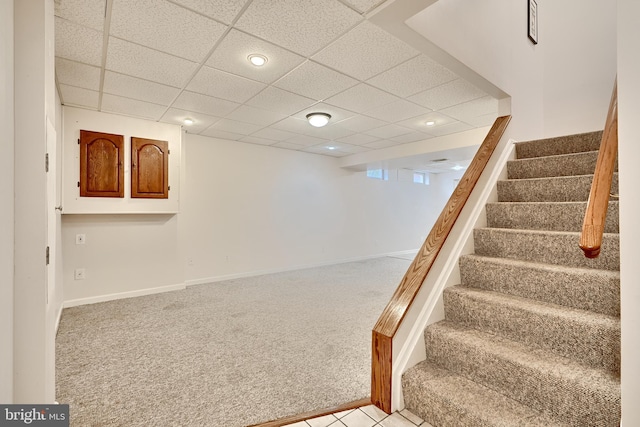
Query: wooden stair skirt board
point(531, 336)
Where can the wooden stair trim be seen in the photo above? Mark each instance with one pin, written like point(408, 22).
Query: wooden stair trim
point(314, 414)
point(395, 311)
point(598, 202)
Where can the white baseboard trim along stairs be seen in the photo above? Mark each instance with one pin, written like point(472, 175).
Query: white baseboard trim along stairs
point(531, 336)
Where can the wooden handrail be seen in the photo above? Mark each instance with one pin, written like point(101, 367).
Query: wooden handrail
point(395, 311)
point(596, 213)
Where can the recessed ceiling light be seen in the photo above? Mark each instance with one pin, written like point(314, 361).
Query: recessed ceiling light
point(318, 119)
point(430, 123)
point(257, 60)
point(188, 122)
point(331, 147)
point(458, 168)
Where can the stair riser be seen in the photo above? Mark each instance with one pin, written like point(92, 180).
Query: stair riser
point(561, 145)
point(593, 342)
point(551, 248)
point(542, 167)
point(546, 216)
point(593, 290)
point(560, 189)
point(540, 389)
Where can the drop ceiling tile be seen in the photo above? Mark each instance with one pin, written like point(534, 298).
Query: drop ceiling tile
point(222, 10)
point(383, 143)
point(77, 74)
point(450, 128)
point(301, 26)
point(143, 90)
point(280, 101)
point(217, 133)
point(447, 95)
point(224, 85)
point(166, 27)
point(209, 105)
point(79, 97)
point(388, 131)
point(358, 139)
point(411, 137)
point(484, 120)
point(329, 132)
point(416, 75)
point(131, 107)
point(78, 43)
point(307, 140)
point(397, 111)
point(365, 51)
point(89, 13)
point(292, 124)
point(288, 145)
point(274, 134)
point(260, 141)
point(323, 149)
point(233, 126)
point(360, 123)
point(345, 148)
point(315, 81)
point(233, 52)
point(470, 109)
point(419, 123)
point(256, 116)
point(337, 114)
point(139, 61)
point(361, 98)
point(364, 6)
point(200, 121)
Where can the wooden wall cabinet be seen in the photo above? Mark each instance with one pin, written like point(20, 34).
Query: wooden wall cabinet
point(149, 168)
point(101, 164)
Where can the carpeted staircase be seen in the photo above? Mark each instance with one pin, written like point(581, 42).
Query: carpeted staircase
point(532, 335)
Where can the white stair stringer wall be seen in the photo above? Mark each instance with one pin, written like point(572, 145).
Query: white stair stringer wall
point(427, 308)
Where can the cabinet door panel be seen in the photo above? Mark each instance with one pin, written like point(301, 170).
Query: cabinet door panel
point(101, 164)
point(149, 168)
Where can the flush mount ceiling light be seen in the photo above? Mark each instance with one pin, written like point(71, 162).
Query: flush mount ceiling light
point(331, 147)
point(188, 122)
point(318, 119)
point(257, 60)
point(430, 123)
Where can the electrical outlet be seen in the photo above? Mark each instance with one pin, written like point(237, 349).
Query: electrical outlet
point(80, 239)
point(79, 274)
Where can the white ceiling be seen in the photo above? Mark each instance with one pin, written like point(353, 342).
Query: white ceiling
point(167, 60)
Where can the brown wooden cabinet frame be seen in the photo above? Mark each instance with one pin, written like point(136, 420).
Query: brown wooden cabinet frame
point(149, 168)
point(101, 164)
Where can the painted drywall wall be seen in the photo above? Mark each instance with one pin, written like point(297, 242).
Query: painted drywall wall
point(490, 38)
point(34, 330)
point(579, 64)
point(629, 176)
point(248, 209)
point(6, 191)
point(76, 119)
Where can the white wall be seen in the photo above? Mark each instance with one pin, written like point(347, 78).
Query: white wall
point(628, 155)
point(248, 208)
point(34, 374)
point(6, 191)
point(579, 63)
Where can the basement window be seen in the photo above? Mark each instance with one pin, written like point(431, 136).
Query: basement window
point(382, 174)
point(421, 178)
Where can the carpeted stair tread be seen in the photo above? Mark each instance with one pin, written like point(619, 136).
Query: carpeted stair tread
point(445, 399)
point(556, 216)
point(568, 391)
point(589, 338)
point(552, 247)
point(582, 288)
point(557, 165)
point(550, 189)
point(577, 143)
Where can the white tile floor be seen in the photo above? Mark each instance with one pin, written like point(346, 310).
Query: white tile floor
point(366, 416)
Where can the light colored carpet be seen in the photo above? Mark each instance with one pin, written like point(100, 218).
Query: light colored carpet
point(229, 354)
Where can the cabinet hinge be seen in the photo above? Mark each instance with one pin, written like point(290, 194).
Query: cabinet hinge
point(169, 188)
point(46, 162)
point(168, 151)
point(78, 141)
point(78, 184)
point(47, 255)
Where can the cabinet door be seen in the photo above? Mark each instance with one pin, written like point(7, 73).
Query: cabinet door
point(149, 168)
point(101, 164)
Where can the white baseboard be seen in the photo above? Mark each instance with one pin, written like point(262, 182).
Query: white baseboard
point(214, 279)
point(122, 295)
